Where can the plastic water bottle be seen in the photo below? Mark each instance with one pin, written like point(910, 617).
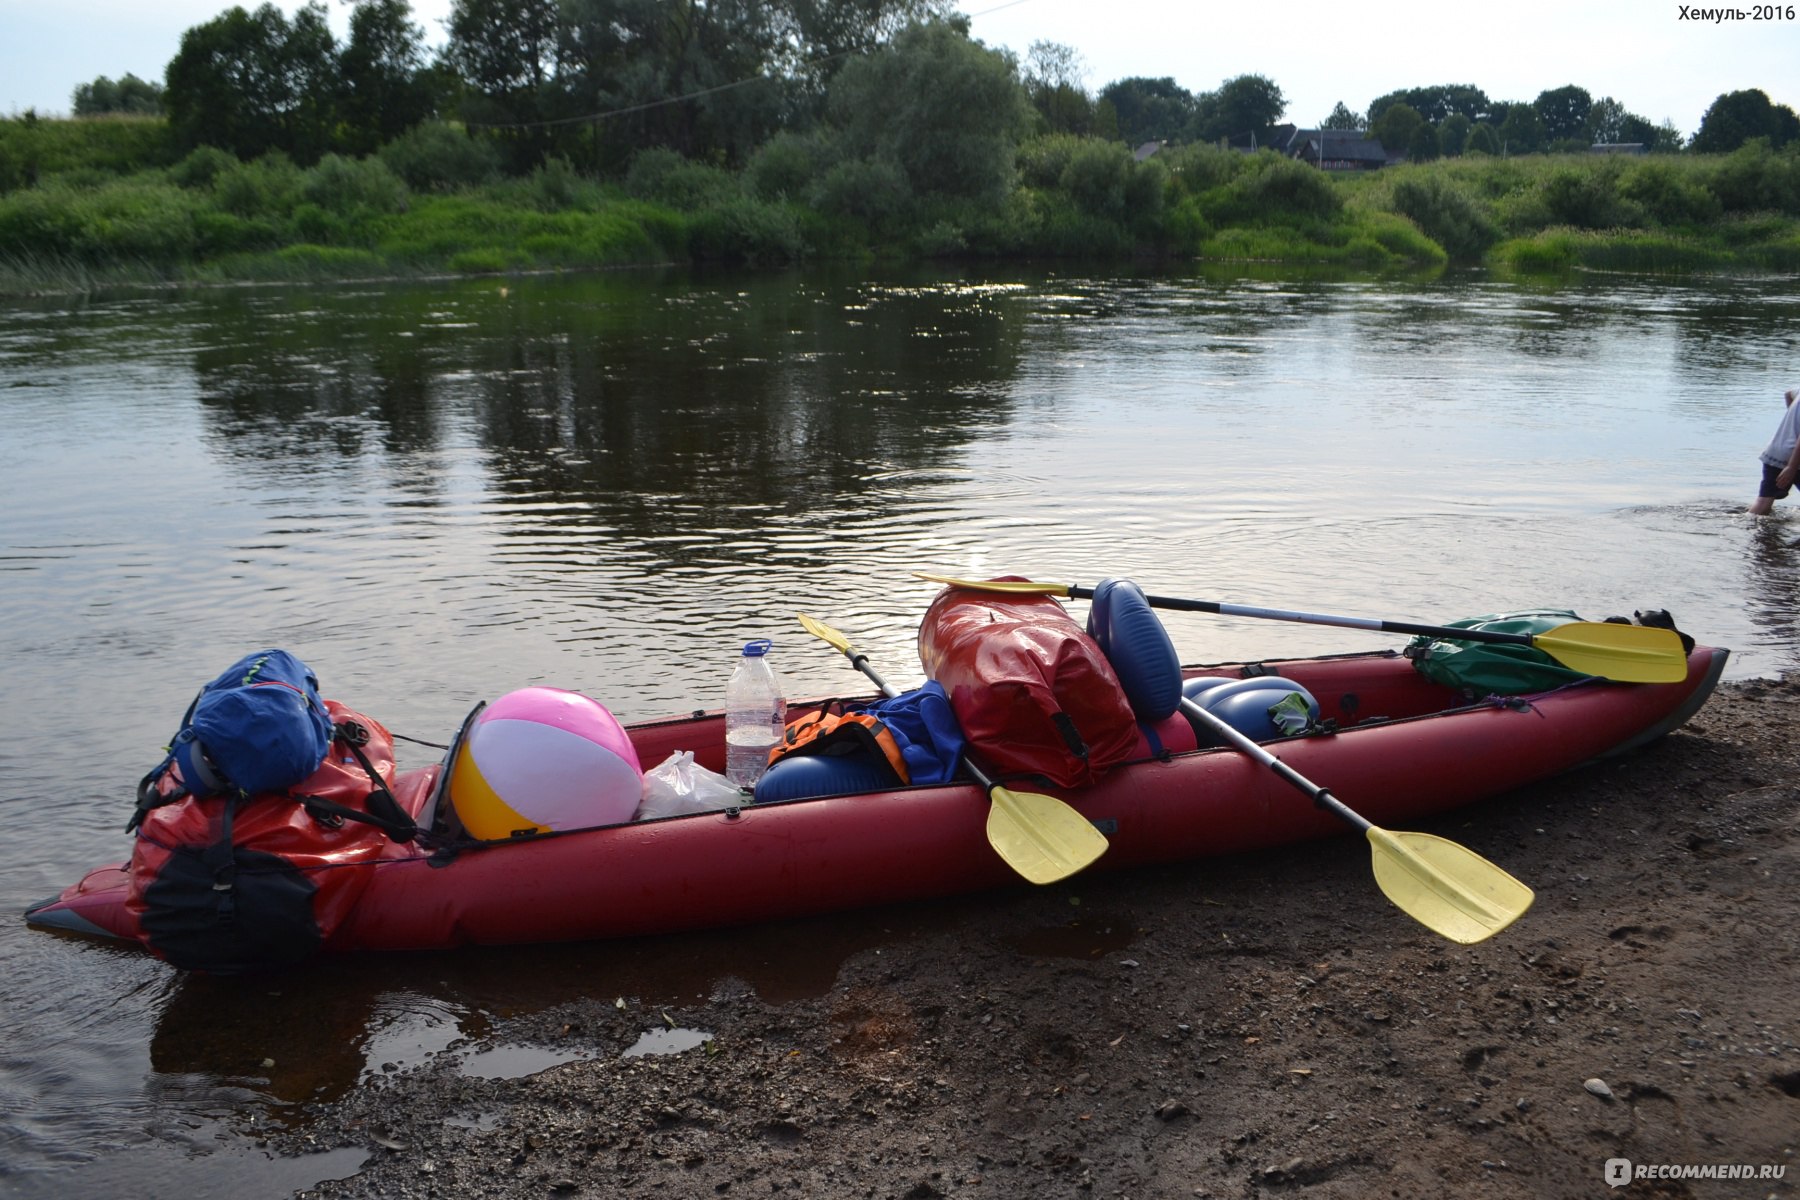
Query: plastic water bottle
point(755, 715)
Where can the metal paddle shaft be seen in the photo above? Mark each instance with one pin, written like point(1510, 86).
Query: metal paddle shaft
point(1039, 836)
point(1445, 887)
point(1625, 653)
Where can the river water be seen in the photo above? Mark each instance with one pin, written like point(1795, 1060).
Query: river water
point(436, 493)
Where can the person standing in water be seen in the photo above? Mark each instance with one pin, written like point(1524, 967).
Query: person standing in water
point(1781, 461)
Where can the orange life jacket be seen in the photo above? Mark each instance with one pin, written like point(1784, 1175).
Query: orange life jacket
point(828, 732)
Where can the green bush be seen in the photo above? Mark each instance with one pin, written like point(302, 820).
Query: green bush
point(1095, 177)
point(111, 145)
point(347, 186)
point(871, 190)
point(666, 177)
point(39, 222)
point(747, 230)
point(1585, 199)
point(268, 187)
point(1200, 169)
point(1447, 214)
point(1399, 239)
point(1754, 178)
point(140, 222)
point(554, 185)
point(219, 233)
point(1273, 188)
point(1551, 251)
point(1669, 193)
point(785, 167)
point(1042, 160)
point(202, 167)
point(312, 222)
point(436, 158)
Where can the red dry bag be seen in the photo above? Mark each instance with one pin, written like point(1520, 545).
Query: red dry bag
point(1033, 693)
point(225, 883)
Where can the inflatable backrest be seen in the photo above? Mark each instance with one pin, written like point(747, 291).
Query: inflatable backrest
point(1128, 630)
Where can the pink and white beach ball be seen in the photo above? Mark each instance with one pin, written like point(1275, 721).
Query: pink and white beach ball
point(544, 759)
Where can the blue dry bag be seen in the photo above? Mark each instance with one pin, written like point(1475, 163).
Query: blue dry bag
point(259, 727)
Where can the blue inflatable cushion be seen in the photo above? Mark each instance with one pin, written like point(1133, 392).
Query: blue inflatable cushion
point(802, 776)
point(1245, 705)
point(1133, 639)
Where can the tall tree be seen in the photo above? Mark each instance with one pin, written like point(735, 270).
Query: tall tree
point(1664, 138)
point(505, 51)
point(253, 82)
point(1453, 135)
point(1436, 102)
point(1521, 130)
point(129, 95)
point(1054, 79)
point(1342, 118)
point(1736, 117)
point(1396, 126)
point(309, 60)
point(945, 110)
point(1150, 110)
point(1606, 120)
point(386, 89)
point(1564, 112)
point(1246, 106)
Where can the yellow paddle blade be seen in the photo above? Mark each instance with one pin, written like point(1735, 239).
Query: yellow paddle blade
point(1021, 587)
point(1039, 836)
point(1626, 653)
point(1449, 889)
point(825, 633)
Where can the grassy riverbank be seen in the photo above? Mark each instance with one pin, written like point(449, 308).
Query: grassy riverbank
point(93, 202)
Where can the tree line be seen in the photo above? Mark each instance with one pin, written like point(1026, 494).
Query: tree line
point(597, 81)
point(770, 131)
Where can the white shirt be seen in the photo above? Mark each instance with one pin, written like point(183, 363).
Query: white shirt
point(1785, 436)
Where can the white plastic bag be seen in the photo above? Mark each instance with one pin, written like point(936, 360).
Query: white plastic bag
point(679, 785)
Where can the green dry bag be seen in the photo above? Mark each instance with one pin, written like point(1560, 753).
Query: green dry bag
point(1495, 669)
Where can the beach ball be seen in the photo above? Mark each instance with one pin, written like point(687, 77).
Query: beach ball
point(544, 759)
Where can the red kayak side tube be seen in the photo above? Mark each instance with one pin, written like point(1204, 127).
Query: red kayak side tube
point(1403, 749)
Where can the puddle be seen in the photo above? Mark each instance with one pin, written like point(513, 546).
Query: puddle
point(667, 1041)
point(409, 1030)
point(515, 1062)
point(1089, 938)
point(164, 1172)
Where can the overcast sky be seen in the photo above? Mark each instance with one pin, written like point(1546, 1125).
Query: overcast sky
point(1640, 52)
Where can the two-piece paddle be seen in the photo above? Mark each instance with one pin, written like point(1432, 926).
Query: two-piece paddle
point(1449, 889)
point(1039, 836)
point(1626, 653)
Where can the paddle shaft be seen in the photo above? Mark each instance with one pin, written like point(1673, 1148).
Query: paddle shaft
point(1305, 618)
point(1320, 796)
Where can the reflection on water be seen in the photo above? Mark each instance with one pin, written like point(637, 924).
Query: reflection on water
point(437, 493)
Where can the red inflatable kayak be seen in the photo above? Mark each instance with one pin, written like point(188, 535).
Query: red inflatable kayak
point(1403, 748)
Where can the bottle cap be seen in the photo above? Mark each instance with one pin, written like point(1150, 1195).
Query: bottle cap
point(757, 648)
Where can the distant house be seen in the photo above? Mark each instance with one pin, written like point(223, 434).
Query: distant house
point(1147, 150)
point(1251, 141)
point(1340, 150)
point(1618, 148)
